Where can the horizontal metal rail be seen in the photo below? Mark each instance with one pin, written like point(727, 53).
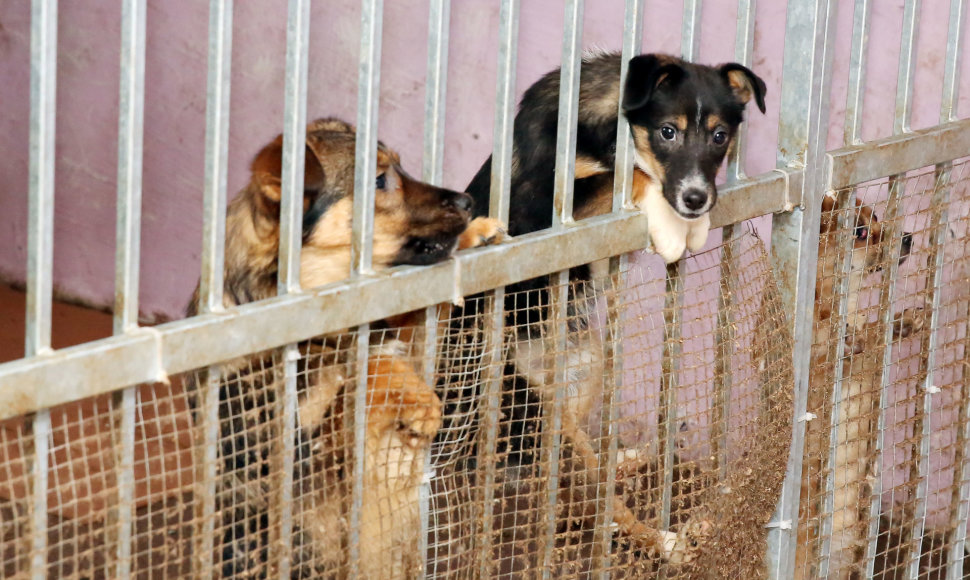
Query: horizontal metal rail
point(104, 365)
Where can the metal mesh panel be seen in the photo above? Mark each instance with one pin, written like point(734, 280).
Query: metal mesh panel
point(884, 458)
point(676, 470)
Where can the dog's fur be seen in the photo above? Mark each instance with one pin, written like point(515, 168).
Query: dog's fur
point(683, 118)
point(861, 370)
point(414, 223)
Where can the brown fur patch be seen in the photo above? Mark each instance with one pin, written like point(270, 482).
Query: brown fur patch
point(641, 140)
point(714, 121)
point(587, 167)
point(740, 85)
point(680, 121)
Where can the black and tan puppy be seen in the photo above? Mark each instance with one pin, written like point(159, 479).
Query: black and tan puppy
point(414, 223)
point(683, 118)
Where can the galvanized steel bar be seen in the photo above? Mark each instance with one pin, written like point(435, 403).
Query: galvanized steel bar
point(690, 38)
point(613, 345)
point(365, 173)
point(929, 341)
point(743, 53)
point(127, 254)
point(559, 283)
point(107, 364)
point(498, 209)
point(365, 169)
point(960, 498)
point(842, 274)
point(854, 99)
point(724, 353)
point(288, 279)
point(794, 236)
point(669, 383)
point(211, 280)
point(40, 252)
point(439, 19)
point(632, 43)
point(907, 67)
point(899, 153)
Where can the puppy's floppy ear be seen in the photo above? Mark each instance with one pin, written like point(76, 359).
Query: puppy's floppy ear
point(267, 170)
point(646, 73)
point(744, 83)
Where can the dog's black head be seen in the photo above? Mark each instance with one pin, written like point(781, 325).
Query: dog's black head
point(684, 117)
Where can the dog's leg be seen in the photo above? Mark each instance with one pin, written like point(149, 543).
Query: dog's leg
point(668, 231)
point(482, 231)
point(697, 234)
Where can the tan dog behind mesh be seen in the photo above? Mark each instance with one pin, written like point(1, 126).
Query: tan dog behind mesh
point(861, 371)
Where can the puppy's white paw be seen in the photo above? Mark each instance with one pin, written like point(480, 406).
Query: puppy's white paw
point(697, 235)
point(668, 247)
point(670, 543)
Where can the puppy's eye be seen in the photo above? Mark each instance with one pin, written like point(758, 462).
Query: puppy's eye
point(668, 132)
point(720, 138)
point(862, 233)
point(381, 181)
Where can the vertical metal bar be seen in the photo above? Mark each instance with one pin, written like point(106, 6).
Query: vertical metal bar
point(855, 97)
point(609, 414)
point(929, 341)
point(690, 39)
point(127, 253)
point(743, 52)
point(365, 172)
point(794, 237)
point(291, 239)
point(960, 497)
point(439, 19)
point(559, 282)
point(670, 378)
point(498, 209)
point(40, 251)
point(211, 280)
point(907, 67)
point(846, 224)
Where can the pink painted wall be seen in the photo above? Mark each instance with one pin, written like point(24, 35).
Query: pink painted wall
point(89, 36)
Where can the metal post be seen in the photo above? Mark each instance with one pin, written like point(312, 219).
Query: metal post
point(669, 382)
point(40, 241)
point(690, 42)
point(498, 209)
point(794, 236)
point(365, 173)
point(291, 238)
point(439, 19)
point(857, 73)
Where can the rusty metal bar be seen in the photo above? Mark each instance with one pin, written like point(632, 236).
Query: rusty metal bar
point(498, 209)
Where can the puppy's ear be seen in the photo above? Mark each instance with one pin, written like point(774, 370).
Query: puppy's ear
point(744, 83)
point(267, 170)
point(645, 75)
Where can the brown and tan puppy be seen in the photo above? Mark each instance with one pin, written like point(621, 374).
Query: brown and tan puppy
point(861, 371)
point(414, 223)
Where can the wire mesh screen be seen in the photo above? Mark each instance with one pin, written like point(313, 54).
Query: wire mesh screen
point(644, 431)
point(885, 458)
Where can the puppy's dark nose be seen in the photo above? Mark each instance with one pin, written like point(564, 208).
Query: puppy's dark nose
point(695, 199)
point(460, 201)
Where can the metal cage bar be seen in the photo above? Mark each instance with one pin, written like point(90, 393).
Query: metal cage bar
point(40, 253)
point(690, 39)
point(365, 172)
point(794, 236)
point(855, 96)
point(670, 381)
point(127, 255)
point(498, 209)
point(907, 67)
point(559, 283)
point(439, 18)
point(743, 53)
point(211, 279)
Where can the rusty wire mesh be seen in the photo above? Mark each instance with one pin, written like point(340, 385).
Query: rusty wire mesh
point(699, 444)
point(890, 513)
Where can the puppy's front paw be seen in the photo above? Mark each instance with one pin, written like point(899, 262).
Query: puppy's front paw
point(670, 248)
point(686, 544)
point(482, 231)
point(697, 235)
